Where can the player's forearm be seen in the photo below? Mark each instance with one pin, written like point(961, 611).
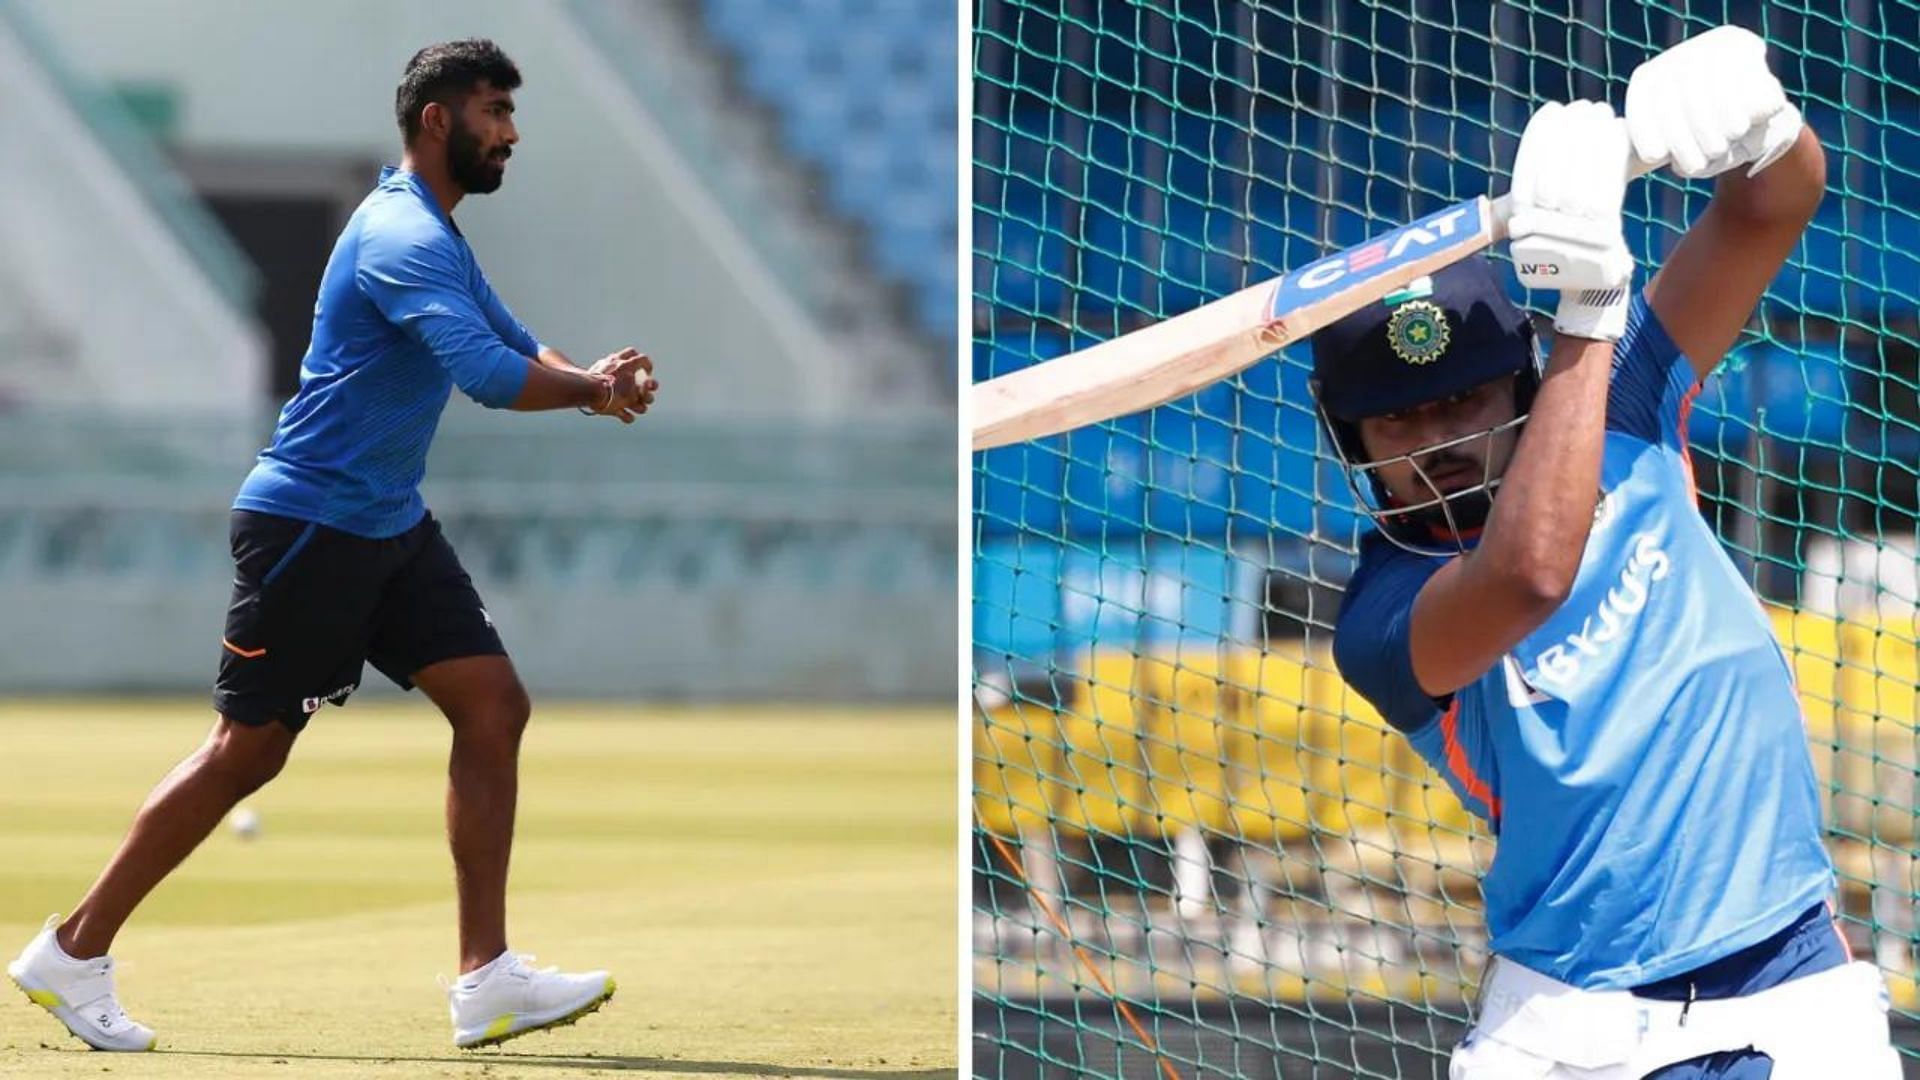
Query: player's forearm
point(554, 388)
point(1479, 606)
point(550, 357)
point(1787, 190)
point(1538, 527)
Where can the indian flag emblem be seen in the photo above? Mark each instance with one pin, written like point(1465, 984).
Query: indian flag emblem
point(1418, 331)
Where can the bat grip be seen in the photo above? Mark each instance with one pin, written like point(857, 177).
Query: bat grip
point(1502, 208)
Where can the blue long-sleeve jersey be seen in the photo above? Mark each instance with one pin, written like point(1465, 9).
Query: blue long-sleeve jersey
point(404, 315)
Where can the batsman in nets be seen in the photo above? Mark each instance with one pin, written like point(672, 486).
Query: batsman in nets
point(1546, 616)
point(338, 562)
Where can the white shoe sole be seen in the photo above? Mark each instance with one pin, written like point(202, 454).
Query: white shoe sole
point(53, 1003)
point(514, 1025)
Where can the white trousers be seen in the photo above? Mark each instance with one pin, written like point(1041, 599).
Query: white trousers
point(1817, 1027)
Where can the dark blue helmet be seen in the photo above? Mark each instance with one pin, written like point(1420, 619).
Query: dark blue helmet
point(1422, 344)
point(1443, 335)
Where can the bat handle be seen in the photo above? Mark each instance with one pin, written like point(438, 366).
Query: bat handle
point(1502, 208)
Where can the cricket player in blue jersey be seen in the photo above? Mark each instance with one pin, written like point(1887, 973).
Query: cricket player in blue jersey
point(1548, 619)
point(338, 561)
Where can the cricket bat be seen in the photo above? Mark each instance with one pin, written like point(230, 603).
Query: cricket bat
point(1171, 359)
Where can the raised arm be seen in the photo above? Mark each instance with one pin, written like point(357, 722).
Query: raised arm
point(1710, 107)
point(1569, 181)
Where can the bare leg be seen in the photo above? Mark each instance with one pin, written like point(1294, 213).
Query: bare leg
point(233, 762)
point(488, 708)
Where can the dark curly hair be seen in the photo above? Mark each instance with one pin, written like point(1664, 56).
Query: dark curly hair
point(446, 73)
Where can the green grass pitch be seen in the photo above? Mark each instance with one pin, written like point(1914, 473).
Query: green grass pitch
point(773, 888)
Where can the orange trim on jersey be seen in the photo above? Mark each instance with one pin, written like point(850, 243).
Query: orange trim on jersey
point(1686, 455)
point(1458, 764)
point(249, 654)
point(1834, 917)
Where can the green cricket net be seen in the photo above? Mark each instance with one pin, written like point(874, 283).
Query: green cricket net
point(1197, 852)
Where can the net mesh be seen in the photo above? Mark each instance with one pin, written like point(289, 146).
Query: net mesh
point(1197, 852)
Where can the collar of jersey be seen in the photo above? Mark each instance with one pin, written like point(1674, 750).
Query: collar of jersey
point(411, 180)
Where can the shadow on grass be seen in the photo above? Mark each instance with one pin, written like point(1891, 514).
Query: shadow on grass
point(483, 1058)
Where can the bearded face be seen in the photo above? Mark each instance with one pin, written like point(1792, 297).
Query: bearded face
point(480, 140)
point(1440, 462)
point(477, 166)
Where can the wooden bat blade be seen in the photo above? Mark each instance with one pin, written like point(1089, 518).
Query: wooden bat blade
point(1171, 359)
point(1135, 371)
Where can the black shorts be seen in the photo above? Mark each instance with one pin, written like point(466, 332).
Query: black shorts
point(312, 604)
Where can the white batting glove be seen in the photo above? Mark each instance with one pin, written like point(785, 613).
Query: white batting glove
point(1709, 104)
point(1569, 179)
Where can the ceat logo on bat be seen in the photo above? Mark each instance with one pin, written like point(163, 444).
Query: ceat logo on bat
point(1344, 269)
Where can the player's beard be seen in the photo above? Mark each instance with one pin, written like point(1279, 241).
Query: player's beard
point(1463, 513)
point(477, 172)
point(1448, 516)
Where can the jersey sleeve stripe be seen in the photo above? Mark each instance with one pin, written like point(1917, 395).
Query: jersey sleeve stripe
point(1686, 455)
point(1475, 786)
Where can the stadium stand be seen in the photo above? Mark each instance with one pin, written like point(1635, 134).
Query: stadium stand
point(887, 158)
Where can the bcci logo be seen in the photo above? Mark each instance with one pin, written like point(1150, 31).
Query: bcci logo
point(1418, 332)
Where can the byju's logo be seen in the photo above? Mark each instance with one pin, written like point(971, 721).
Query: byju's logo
point(1560, 664)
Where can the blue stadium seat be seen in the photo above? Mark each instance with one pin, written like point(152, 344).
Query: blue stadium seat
point(1887, 258)
point(1019, 488)
point(815, 120)
point(1800, 395)
point(775, 64)
point(1850, 263)
point(1291, 228)
point(1451, 154)
point(1650, 237)
point(1283, 482)
point(1016, 597)
point(1814, 279)
point(1721, 422)
point(1206, 248)
point(1103, 594)
point(1189, 465)
point(1162, 253)
point(1020, 268)
point(1133, 595)
point(817, 64)
point(1114, 257)
point(1110, 167)
point(734, 21)
point(935, 299)
point(911, 231)
point(861, 179)
point(1106, 479)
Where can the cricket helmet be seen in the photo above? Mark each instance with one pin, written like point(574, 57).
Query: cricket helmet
point(1442, 335)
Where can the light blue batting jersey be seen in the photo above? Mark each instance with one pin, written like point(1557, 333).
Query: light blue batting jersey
point(404, 316)
point(1641, 755)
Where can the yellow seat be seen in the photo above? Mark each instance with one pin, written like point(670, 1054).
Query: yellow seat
point(1188, 713)
point(1015, 746)
point(1812, 646)
point(1443, 850)
point(1880, 742)
point(1269, 777)
point(1423, 805)
point(1099, 783)
point(1349, 743)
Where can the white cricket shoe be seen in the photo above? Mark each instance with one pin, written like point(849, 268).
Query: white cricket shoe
point(77, 992)
point(514, 999)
